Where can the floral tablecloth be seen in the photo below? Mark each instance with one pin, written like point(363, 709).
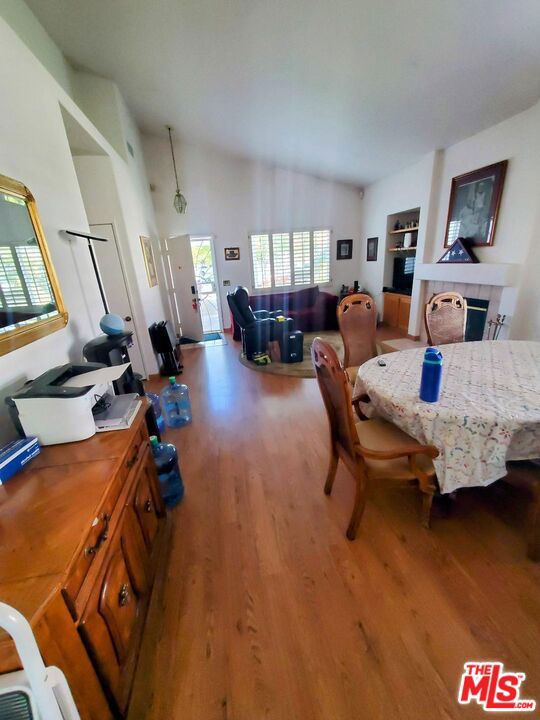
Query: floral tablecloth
point(488, 412)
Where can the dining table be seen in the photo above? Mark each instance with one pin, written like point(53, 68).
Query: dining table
point(488, 411)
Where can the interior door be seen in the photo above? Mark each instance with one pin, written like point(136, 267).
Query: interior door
point(114, 283)
point(185, 286)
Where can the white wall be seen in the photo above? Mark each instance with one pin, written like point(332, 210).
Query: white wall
point(427, 184)
point(518, 141)
point(34, 150)
point(230, 198)
point(109, 196)
point(517, 234)
point(410, 188)
point(23, 21)
point(99, 99)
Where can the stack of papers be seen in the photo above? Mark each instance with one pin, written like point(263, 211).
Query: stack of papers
point(119, 413)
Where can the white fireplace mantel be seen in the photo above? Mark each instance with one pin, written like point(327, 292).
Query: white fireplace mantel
point(500, 274)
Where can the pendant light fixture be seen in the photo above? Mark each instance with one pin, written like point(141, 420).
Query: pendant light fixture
point(179, 202)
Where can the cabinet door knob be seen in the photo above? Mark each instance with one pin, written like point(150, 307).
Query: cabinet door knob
point(123, 595)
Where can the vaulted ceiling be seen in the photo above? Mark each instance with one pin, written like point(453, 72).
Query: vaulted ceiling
point(351, 89)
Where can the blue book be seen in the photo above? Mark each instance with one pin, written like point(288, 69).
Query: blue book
point(15, 455)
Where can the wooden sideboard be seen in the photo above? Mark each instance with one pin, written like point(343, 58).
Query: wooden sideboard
point(80, 532)
point(396, 311)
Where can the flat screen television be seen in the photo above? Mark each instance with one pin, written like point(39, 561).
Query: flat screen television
point(402, 278)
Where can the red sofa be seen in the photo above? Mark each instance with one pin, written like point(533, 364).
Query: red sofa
point(310, 308)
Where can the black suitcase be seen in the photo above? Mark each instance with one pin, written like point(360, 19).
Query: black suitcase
point(292, 347)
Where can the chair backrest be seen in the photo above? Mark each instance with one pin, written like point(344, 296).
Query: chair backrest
point(238, 302)
point(357, 321)
point(336, 393)
point(446, 317)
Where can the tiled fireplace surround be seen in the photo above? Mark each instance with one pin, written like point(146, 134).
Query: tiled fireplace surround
point(492, 293)
point(494, 282)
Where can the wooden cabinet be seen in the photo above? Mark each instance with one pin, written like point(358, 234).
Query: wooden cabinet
point(391, 309)
point(404, 312)
point(397, 309)
point(85, 531)
point(110, 626)
point(146, 503)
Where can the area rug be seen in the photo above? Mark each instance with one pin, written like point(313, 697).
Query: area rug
point(303, 369)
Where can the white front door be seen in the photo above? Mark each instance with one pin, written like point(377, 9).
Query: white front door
point(185, 286)
point(202, 252)
point(114, 283)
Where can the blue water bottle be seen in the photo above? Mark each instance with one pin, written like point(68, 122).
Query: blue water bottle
point(170, 480)
point(176, 404)
point(156, 407)
point(430, 385)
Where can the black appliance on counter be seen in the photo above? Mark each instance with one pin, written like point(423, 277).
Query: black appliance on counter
point(113, 350)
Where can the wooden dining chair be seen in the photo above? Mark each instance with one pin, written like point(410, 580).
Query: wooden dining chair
point(372, 450)
point(446, 317)
point(357, 322)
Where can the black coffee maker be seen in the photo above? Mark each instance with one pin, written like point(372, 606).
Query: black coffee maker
point(113, 350)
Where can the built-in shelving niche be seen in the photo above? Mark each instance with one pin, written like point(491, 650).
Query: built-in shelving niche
point(394, 239)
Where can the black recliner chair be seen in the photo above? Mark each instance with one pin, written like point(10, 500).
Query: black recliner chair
point(259, 326)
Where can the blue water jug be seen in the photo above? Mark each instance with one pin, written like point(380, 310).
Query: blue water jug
point(176, 404)
point(170, 480)
point(156, 407)
point(430, 385)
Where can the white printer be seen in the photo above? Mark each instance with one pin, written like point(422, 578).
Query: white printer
point(55, 412)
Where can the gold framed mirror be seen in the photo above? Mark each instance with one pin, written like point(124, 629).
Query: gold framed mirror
point(31, 304)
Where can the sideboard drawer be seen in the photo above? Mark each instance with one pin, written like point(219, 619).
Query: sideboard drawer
point(94, 545)
point(139, 443)
point(112, 622)
point(147, 502)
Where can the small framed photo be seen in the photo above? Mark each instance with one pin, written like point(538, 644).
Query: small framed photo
point(344, 250)
point(372, 247)
point(474, 205)
point(149, 262)
point(232, 253)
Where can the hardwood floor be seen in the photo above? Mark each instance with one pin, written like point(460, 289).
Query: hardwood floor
point(267, 611)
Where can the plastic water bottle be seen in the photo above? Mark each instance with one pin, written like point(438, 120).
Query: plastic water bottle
point(430, 385)
point(170, 480)
point(176, 404)
point(156, 407)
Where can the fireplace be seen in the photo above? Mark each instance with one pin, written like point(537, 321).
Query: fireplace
point(477, 315)
point(483, 305)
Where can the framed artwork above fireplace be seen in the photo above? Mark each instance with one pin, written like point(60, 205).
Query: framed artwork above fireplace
point(475, 198)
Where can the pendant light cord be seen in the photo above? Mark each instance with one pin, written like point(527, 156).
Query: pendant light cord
point(173, 160)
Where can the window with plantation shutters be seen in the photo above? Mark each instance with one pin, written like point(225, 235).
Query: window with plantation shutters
point(34, 274)
point(281, 255)
point(33, 288)
point(12, 292)
point(288, 259)
point(302, 258)
point(261, 262)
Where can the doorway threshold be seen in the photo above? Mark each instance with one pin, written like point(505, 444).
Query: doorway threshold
point(209, 340)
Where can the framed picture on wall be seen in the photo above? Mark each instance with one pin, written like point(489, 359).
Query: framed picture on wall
point(344, 250)
point(149, 262)
point(474, 205)
point(372, 247)
point(232, 253)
